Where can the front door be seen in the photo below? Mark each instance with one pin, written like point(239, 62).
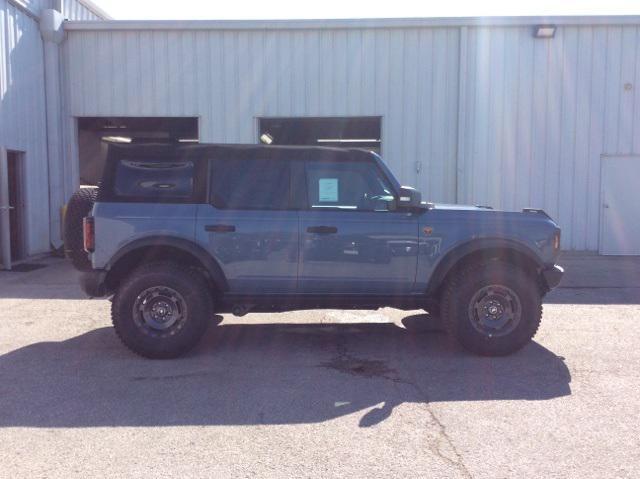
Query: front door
point(248, 225)
point(352, 240)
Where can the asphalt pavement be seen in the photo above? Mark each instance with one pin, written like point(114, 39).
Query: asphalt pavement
point(356, 394)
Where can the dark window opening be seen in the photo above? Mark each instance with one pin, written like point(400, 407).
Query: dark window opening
point(96, 133)
point(344, 132)
point(154, 180)
point(250, 184)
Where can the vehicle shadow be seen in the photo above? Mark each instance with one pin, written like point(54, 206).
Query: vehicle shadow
point(263, 374)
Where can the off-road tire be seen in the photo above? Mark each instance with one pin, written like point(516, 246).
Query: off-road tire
point(78, 207)
point(191, 287)
point(459, 292)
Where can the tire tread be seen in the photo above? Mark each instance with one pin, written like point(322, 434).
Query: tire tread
point(172, 269)
point(78, 207)
point(450, 296)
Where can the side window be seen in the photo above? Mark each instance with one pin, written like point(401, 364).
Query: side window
point(250, 184)
point(355, 186)
point(149, 180)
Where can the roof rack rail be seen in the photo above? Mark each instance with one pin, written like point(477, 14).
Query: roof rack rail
point(536, 211)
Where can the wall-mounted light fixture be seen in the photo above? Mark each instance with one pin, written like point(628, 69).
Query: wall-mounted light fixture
point(266, 138)
point(544, 31)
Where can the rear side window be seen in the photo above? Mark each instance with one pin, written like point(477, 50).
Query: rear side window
point(250, 184)
point(148, 180)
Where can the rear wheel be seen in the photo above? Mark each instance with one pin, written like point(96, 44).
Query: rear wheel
point(493, 308)
point(161, 310)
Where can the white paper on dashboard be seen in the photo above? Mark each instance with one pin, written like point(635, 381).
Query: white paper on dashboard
point(328, 189)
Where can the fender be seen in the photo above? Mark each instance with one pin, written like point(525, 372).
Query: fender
point(451, 258)
point(188, 246)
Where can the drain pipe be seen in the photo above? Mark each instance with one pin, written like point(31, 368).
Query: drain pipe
point(51, 29)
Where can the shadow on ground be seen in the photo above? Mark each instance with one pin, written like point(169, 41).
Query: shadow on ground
point(263, 374)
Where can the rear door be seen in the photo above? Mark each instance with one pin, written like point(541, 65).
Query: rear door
point(352, 240)
point(249, 225)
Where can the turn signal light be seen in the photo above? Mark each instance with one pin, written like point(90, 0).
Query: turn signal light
point(89, 234)
point(556, 241)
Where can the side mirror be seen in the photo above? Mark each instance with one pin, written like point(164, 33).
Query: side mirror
point(409, 198)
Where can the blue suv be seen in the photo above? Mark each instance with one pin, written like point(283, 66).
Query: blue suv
point(178, 233)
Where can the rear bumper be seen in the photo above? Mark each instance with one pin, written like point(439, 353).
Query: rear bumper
point(552, 276)
point(93, 283)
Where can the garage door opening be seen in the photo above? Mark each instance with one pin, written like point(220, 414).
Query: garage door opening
point(95, 134)
point(346, 132)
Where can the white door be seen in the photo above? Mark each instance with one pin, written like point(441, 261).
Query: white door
point(620, 217)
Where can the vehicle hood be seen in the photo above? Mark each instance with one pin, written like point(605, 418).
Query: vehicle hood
point(487, 213)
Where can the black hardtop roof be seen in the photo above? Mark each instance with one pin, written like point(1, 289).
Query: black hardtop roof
point(213, 150)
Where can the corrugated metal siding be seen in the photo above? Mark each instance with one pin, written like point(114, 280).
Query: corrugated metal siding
point(540, 114)
point(74, 10)
point(22, 114)
point(36, 6)
point(228, 78)
point(71, 9)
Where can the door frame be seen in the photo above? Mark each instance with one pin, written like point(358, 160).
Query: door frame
point(19, 158)
point(5, 234)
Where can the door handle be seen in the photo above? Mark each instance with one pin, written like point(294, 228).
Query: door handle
point(322, 230)
point(220, 228)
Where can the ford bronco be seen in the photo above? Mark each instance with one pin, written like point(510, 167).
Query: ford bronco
point(177, 233)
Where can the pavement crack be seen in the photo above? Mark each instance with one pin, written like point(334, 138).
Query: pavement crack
point(347, 363)
point(455, 461)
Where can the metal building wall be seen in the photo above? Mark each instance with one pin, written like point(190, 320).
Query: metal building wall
point(76, 10)
point(35, 6)
point(539, 115)
point(533, 119)
point(22, 114)
point(229, 77)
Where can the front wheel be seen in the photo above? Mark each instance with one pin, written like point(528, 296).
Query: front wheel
point(493, 308)
point(161, 310)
